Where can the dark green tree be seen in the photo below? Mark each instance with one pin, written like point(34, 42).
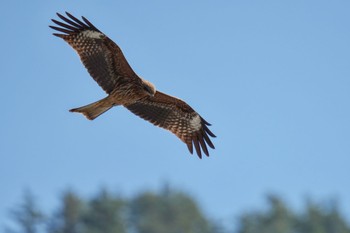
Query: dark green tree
point(68, 219)
point(105, 214)
point(167, 212)
point(334, 221)
point(279, 218)
point(322, 219)
point(276, 219)
point(27, 215)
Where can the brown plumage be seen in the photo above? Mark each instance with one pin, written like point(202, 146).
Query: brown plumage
point(107, 65)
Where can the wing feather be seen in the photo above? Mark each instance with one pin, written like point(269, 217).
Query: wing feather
point(88, 23)
point(178, 117)
point(203, 145)
point(75, 19)
point(67, 26)
point(64, 30)
point(196, 145)
point(102, 57)
point(70, 22)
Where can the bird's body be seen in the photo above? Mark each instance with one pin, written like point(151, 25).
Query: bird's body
point(107, 65)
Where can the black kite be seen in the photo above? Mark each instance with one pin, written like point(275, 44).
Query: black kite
point(107, 65)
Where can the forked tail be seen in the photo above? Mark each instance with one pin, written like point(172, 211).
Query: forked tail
point(91, 111)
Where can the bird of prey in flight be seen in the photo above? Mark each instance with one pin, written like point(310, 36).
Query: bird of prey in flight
point(107, 65)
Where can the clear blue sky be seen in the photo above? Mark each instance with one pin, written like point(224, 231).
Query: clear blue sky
point(273, 77)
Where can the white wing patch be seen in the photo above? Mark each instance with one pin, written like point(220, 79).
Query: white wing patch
point(92, 34)
point(196, 122)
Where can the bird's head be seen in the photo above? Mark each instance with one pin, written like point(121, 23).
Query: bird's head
point(149, 87)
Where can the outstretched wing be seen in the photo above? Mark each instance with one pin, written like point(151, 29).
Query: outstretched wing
point(102, 57)
point(178, 117)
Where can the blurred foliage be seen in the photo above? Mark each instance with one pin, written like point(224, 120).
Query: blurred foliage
point(279, 218)
point(105, 213)
point(27, 215)
point(67, 219)
point(168, 211)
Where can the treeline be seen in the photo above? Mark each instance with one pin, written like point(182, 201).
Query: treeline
point(166, 211)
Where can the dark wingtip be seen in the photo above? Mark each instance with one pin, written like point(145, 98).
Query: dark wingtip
point(205, 122)
point(190, 147)
point(196, 146)
point(206, 129)
point(58, 35)
point(69, 14)
point(200, 140)
point(71, 25)
point(203, 137)
point(202, 144)
point(90, 24)
point(75, 19)
point(61, 29)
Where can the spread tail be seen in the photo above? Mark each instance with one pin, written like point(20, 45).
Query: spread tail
point(91, 111)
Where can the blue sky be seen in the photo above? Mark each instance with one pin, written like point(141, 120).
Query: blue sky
point(273, 77)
